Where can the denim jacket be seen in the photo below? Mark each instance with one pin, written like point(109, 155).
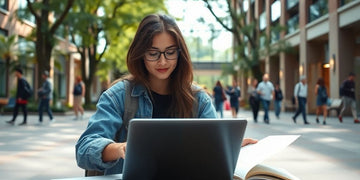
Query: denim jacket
point(104, 124)
point(46, 90)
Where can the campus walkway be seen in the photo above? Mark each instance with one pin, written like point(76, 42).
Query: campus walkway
point(47, 151)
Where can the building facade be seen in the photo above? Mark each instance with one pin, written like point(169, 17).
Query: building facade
point(325, 35)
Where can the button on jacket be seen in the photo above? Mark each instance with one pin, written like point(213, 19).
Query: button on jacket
point(105, 122)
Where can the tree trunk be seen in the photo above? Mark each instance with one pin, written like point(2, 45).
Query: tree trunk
point(44, 46)
point(256, 71)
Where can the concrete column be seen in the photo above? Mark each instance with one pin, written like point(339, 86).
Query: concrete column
point(282, 57)
point(303, 18)
point(268, 33)
point(334, 52)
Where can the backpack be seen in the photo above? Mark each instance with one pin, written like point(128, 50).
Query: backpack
point(238, 92)
point(130, 108)
point(28, 91)
point(323, 94)
point(78, 89)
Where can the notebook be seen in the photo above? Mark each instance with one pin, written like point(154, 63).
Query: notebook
point(183, 148)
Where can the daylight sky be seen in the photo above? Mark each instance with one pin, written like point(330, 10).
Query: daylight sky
point(190, 11)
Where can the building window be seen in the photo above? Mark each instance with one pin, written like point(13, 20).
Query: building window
point(291, 3)
point(2, 78)
point(275, 10)
point(275, 31)
point(262, 21)
point(24, 13)
point(262, 40)
point(318, 9)
point(4, 4)
point(343, 2)
point(59, 77)
point(3, 69)
point(26, 51)
point(293, 24)
point(25, 57)
point(3, 32)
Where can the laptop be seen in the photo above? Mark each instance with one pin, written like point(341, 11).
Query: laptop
point(183, 148)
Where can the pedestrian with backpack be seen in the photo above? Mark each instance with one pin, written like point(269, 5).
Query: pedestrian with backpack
point(235, 93)
point(160, 82)
point(277, 100)
point(79, 93)
point(45, 94)
point(321, 100)
point(347, 92)
point(23, 92)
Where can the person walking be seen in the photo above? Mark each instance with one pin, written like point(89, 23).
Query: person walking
point(23, 92)
point(278, 99)
point(347, 92)
point(254, 100)
point(234, 93)
point(161, 73)
point(219, 98)
point(300, 94)
point(79, 93)
point(321, 100)
point(266, 91)
point(45, 96)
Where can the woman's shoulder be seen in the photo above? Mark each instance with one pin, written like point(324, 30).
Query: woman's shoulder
point(200, 93)
point(119, 85)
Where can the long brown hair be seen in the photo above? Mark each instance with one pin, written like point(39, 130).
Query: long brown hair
point(321, 82)
point(182, 76)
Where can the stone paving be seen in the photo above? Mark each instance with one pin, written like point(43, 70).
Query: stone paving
point(47, 152)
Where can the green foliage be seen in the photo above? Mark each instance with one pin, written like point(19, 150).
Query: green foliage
point(250, 45)
point(102, 32)
point(109, 26)
point(8, 48)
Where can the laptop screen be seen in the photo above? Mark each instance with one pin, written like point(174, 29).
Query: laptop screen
point(183, 148)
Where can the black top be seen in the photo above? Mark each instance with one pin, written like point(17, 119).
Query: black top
point(278, 95)
point(348, 89)
point(161, 105)
point(20, 93)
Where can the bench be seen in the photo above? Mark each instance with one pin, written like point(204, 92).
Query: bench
point(289, 106)
point(335, 104)
point(6, 102)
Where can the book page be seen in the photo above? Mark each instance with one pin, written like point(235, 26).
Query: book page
point(261, 170)
point(254, 154)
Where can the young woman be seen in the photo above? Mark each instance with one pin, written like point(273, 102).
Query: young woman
point(160, 67)
point(219, 98)
point(278, 99)
point(321, 100)
point(79, 93)
point(254, 99)
point(234, 93)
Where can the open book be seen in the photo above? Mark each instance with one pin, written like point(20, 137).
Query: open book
point(248, 165)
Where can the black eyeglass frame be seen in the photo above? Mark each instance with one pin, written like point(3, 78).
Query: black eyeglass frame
point(178, 50)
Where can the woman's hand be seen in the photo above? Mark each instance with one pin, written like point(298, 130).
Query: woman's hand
point(247, 141)
point(114, 151)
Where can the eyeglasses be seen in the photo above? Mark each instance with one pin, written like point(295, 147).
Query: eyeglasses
point(169, 54)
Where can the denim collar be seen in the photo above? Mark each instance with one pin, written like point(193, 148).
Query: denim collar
point(138, 90)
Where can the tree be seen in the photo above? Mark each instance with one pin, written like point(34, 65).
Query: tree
point(100, 31)
point(8, 52)
point(248, 46)
point(45, 40)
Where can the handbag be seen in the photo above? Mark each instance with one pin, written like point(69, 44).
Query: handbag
point(223, 97)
